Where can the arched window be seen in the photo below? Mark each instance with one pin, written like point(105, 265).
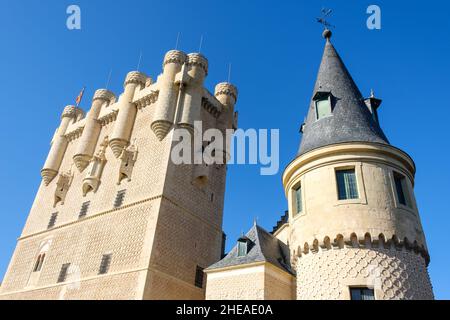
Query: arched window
point(39, 262)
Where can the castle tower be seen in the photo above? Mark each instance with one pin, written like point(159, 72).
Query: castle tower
point(354, 229)
point(114, 216)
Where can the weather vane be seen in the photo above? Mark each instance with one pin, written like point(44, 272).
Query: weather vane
point(322, 20)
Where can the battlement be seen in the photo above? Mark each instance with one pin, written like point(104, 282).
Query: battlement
point(72, 112)
point(135, 77)
point(177, 97)
point(174, 56)
point(104, 94)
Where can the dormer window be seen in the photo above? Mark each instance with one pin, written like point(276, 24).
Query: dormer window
point(322, 102)
point(243, 246)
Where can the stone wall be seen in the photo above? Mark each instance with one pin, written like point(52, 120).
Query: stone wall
point(328, 274)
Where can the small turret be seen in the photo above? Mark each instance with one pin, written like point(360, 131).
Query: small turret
point(227, 94)
point(91, 132)
point(123, 127)
point(59, 145)
point(196, 71)
point(373, 104)
point(168, 93)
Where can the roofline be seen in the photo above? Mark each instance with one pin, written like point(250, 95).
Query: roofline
point(236, 266)
point(248, 265)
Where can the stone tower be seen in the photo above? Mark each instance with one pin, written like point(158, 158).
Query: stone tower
point(114, 217)
point(354, 230)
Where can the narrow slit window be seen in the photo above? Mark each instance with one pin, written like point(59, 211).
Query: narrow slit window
point(105, 264)
point(39, 263)
point(347, 185)
point(63, 273)
point(52, 221)
point(199, 274)
point(298, 199)
point(362, 294)
point(401, 189)
point(84, 209)
point(119, 198)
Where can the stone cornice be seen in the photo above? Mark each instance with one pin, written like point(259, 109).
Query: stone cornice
point(351, 151)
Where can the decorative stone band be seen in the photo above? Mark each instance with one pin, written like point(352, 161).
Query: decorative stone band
point(211, 107)
point(135, 77)
point(109, 117)
point(226, 89)
point(196, 59)
point(75, 134)
point(147, 100)
point(103, 94)
point(174, 56)
point(341, 242)
point(71, 112)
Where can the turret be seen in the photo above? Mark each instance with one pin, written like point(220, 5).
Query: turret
point(92, 128)
point(164, 115)
point(196, 69)
point(123, 127)
point(59, 144)
point(227, 94)
point(353, 219)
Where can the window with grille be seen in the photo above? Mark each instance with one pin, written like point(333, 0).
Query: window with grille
point(298, 199)
point(63, 273)
point(119, 198)
point(84, 209)
point(347, 185)
point(199, 277)
point(104, 265)
point(52, 221)
point(362, 294)
point(400, 187)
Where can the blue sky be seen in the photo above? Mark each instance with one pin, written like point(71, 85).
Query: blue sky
point(275, 49)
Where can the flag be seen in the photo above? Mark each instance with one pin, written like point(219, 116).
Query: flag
point(80, 96)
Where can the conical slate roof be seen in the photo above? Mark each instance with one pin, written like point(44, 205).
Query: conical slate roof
point(351, 120)
point(263, 247)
